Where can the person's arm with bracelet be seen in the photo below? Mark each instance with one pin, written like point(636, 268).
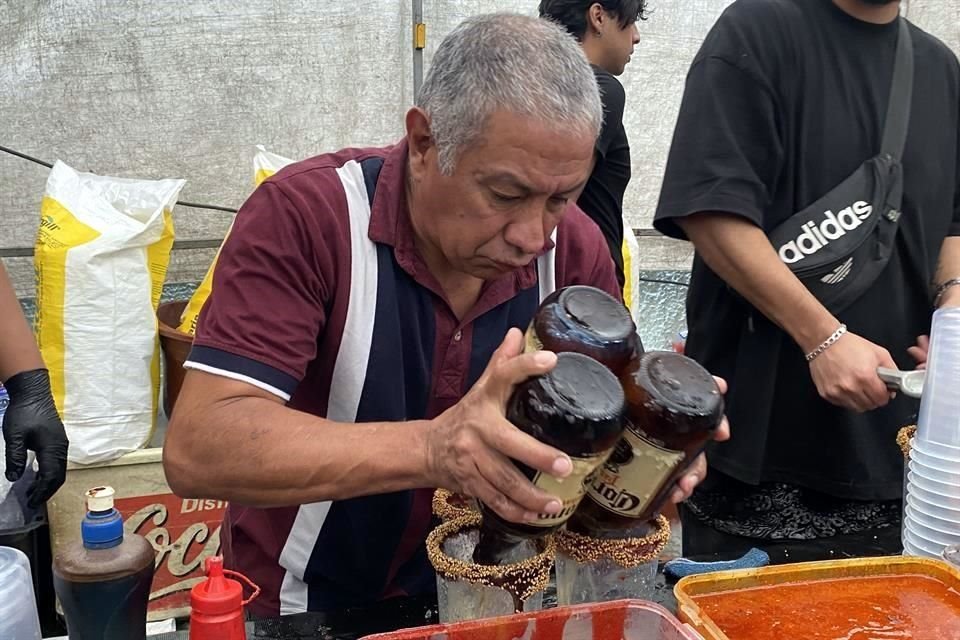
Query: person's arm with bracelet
point(842, 364)
point(946, 291)
point(947, 280)
point(31, 421)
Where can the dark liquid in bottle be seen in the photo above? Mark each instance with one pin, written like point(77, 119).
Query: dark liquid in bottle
point(673, 408)
point(576, 408)
point(585, 320)
point(104, 592)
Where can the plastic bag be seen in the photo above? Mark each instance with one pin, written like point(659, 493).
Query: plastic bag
point(265, 164)
point(630, 250)
point(101, 259)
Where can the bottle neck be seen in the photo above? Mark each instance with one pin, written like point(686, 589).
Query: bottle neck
point(494, 546)
point(102, 529)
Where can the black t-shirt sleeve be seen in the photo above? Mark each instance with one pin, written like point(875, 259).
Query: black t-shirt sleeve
point(613, 97)
point(727, 151)
point(955, 225)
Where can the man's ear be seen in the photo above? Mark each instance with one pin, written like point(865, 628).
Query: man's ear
point(596, 17)
point(421, 147)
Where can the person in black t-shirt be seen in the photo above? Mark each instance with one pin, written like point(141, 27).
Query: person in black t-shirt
point(607, 31)
point(784, 100)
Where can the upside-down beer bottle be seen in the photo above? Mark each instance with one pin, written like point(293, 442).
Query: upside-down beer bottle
point(673, 408)
point(585, 320)
point(577, 408)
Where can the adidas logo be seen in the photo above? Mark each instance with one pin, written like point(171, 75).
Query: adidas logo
point(815, 237)
point(839, 274)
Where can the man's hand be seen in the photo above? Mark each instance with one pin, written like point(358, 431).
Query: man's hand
point(470, 446)
point(697, 471)
point(920, 351)
point(32, 422)
point(846, 374)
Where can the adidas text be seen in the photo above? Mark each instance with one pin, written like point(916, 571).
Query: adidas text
point(815, 237)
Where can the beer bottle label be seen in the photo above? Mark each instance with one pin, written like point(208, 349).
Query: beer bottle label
point(531, 341)
point(633, 475)
point(569, 490)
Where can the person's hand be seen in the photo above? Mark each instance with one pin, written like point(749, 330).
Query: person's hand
point(919, 352)
point(697, 471)
point(32, 423)
point(470, 445)
point(846, 374)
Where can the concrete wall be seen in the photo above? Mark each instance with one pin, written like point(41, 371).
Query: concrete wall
point(185, 89)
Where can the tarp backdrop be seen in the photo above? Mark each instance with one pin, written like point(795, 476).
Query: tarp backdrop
point(185, 89)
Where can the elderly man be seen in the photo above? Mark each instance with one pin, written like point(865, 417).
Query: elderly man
point(360, 342)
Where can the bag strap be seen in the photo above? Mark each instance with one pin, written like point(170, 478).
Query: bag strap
point(901, 96)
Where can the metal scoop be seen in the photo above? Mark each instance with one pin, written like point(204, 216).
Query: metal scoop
point(910, 383)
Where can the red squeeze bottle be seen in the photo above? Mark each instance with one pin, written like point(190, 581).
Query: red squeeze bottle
point(216, 604)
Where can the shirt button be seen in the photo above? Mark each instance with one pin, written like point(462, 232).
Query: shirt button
point(457, 336)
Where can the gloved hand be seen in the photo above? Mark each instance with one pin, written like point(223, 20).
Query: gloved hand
point(32, 422)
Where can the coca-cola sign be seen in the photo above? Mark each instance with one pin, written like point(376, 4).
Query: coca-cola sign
point(183, 533)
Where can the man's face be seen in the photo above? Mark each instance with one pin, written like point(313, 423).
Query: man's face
point(618, 43)
point(507, 194)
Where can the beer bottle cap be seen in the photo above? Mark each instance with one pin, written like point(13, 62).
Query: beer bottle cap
point(598, 312)
point(581, 387)
point(682, 387)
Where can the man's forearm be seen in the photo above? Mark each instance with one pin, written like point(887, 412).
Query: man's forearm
point(258, 452)
point(18, 348)
point(948, 268)
point(740, 253)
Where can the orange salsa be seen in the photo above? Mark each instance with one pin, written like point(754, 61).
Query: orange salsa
point(864, 608)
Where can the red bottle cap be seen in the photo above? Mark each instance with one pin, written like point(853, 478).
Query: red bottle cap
point(218, 594)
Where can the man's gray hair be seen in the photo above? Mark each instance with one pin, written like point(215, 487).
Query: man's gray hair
point(509, 62)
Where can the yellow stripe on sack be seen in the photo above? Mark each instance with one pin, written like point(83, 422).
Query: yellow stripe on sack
point(627, 281)
point(60, 231)
point(191, 312)
point(261, 175)
point(158, 260)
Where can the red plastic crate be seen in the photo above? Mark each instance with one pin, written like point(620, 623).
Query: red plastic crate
point(620, 620)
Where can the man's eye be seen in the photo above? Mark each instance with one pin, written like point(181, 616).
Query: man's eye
point(558, 203)
point(502, 197)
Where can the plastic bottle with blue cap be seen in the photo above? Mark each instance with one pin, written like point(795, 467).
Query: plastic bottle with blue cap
point(103, 581)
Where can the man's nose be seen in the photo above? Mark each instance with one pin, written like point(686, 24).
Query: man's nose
point(526, 232)
point(636, 33)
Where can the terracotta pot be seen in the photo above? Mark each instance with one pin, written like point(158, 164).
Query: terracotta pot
point(176, 347)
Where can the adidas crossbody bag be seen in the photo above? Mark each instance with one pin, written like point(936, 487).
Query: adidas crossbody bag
point(840, 244)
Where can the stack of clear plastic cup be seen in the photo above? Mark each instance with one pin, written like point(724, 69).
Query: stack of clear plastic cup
point(932, 506)
point(18, 609)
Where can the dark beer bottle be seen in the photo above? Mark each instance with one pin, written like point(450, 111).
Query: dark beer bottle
point(576, 408)
point(673, 408)
point(585, 320)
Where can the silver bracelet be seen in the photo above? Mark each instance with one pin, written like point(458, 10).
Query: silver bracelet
point(942, 289)
point(826, 344)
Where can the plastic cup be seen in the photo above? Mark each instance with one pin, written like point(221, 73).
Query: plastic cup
point(950, 482)
point(18, 609)
point(910, 550)
point(939, 419)
point(460, 597)
point(932, 498)
point(921, 547)
point(927, 530)
point(935, 449)
point(603, 581)
point(932, 486)
point(936, 463)
point(941, 518)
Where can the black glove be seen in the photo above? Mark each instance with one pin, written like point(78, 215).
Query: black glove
point(32, 422)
